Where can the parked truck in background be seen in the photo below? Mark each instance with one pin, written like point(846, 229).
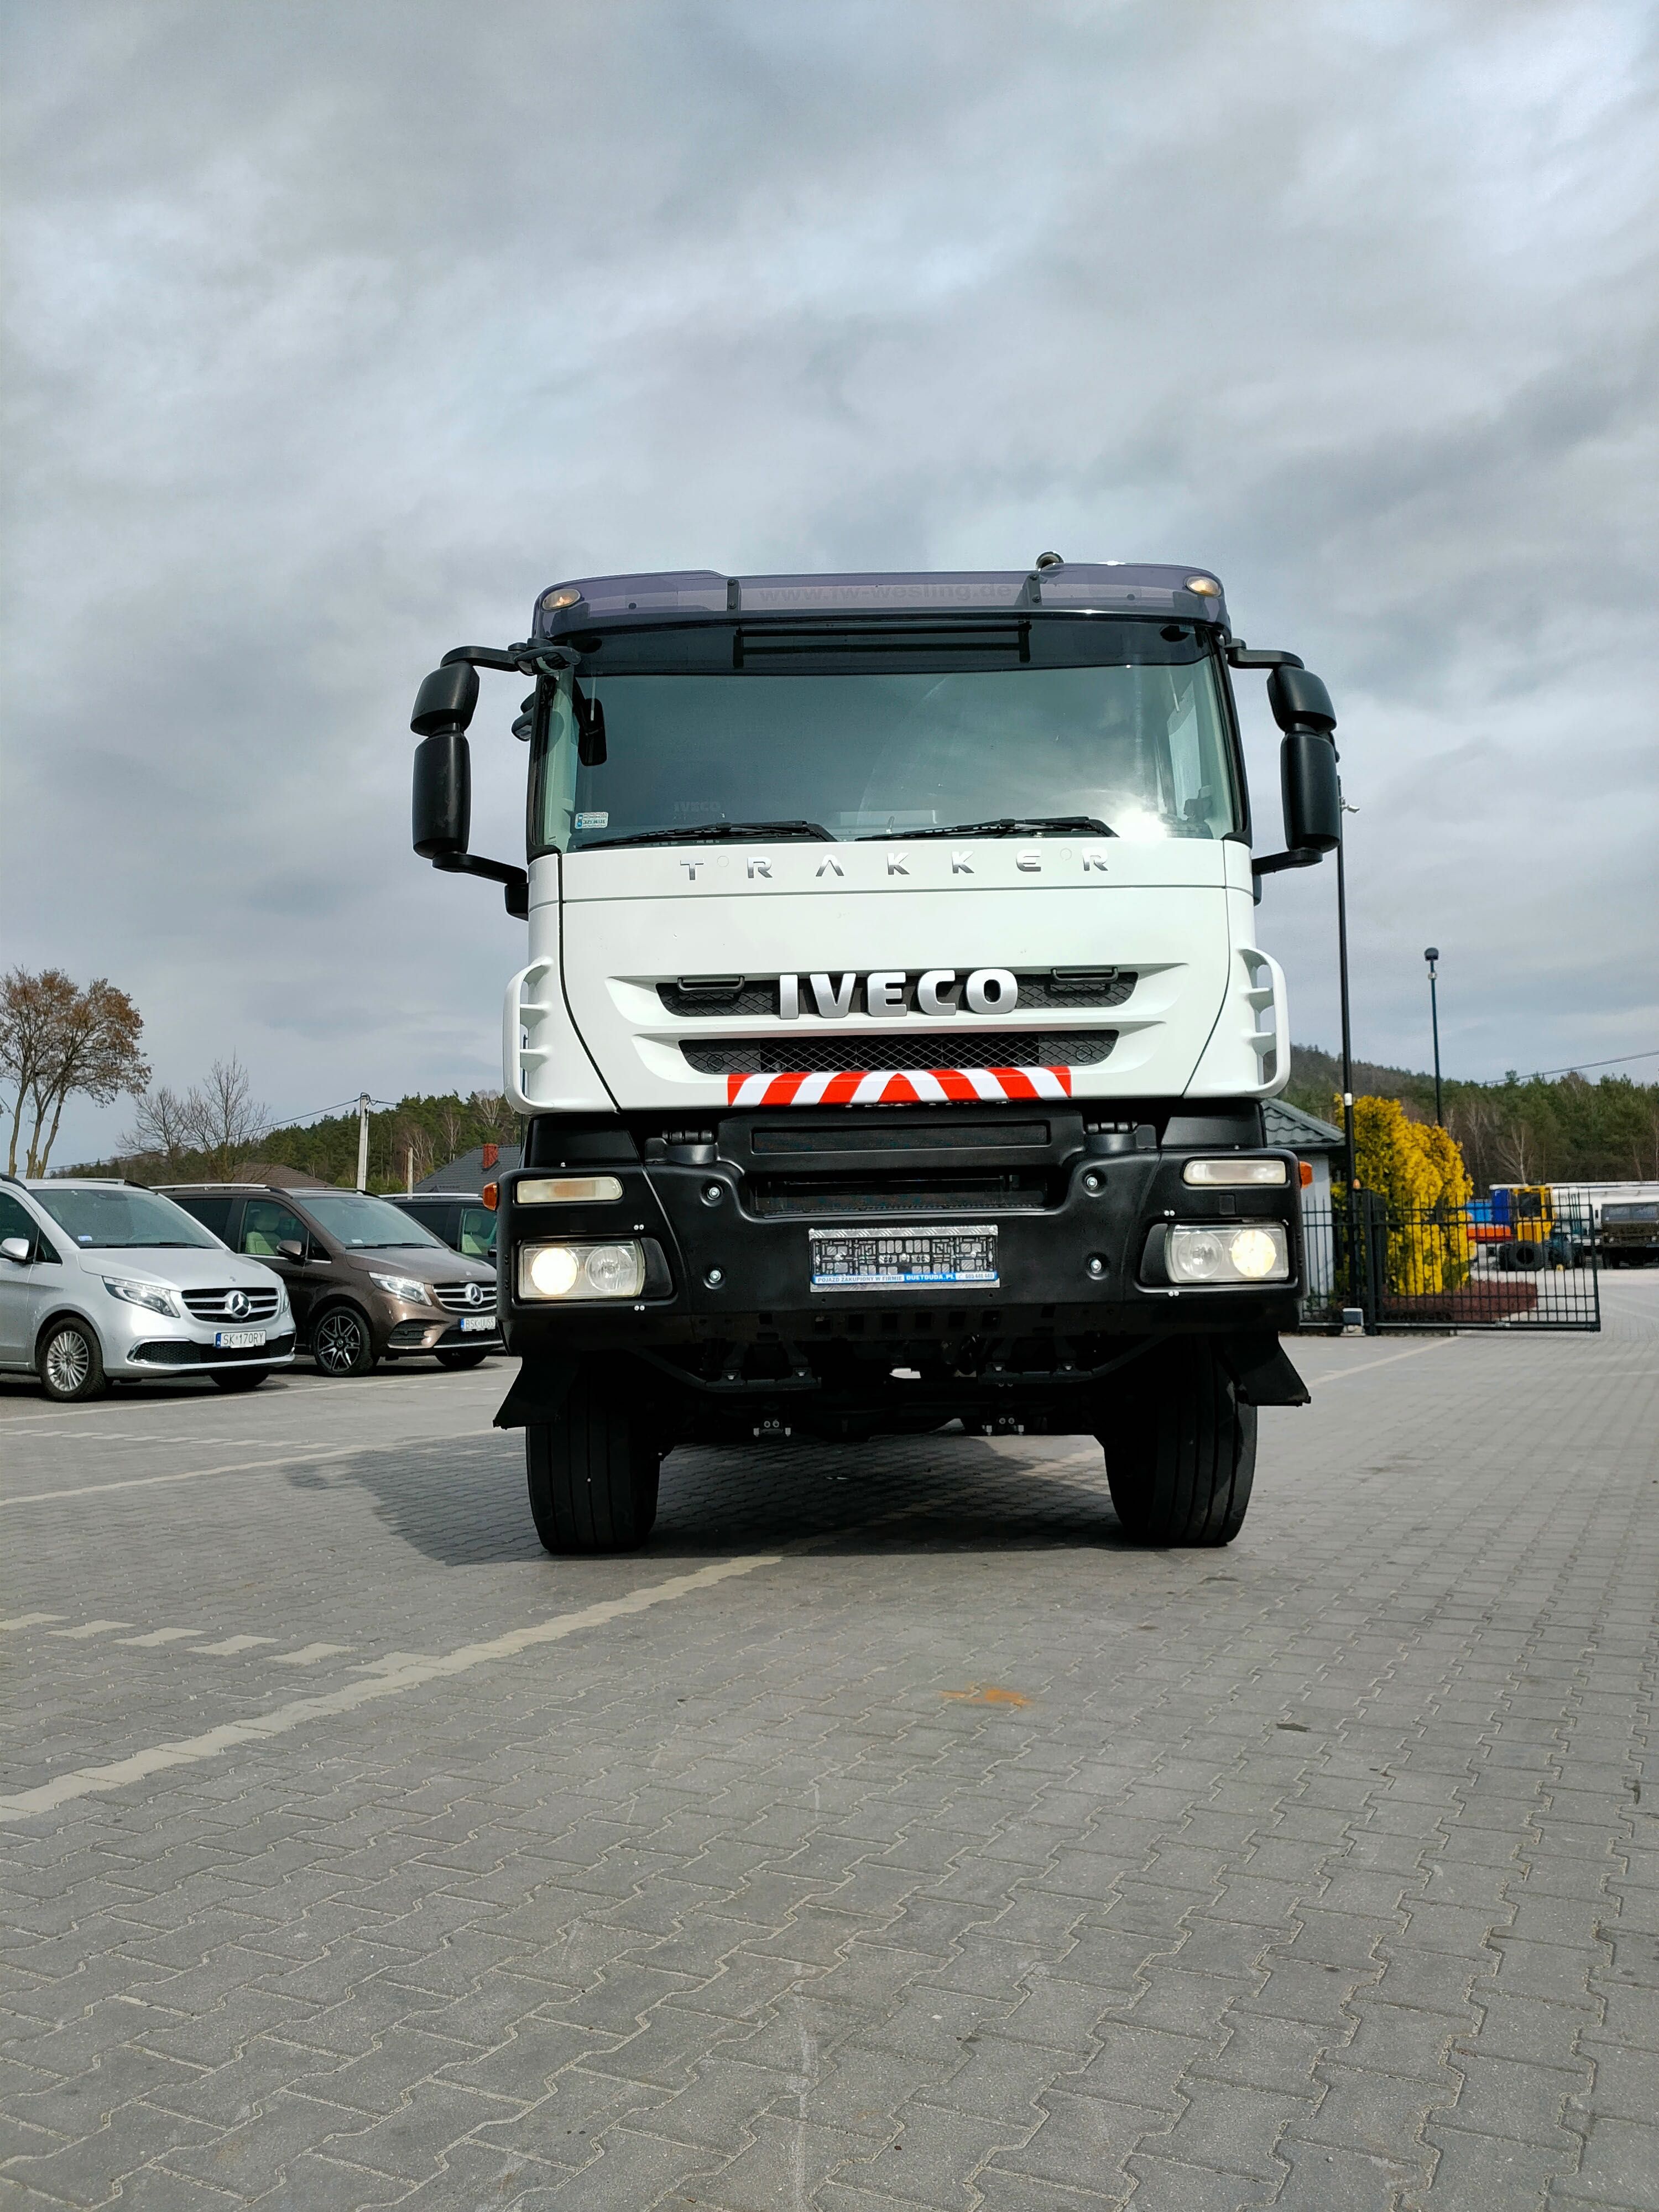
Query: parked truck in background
point(893, 1032)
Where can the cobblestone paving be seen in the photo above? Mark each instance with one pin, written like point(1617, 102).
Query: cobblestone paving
point(917, 1844)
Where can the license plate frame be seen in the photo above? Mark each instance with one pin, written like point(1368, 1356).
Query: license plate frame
point(239, 1340)
point(951, 1257)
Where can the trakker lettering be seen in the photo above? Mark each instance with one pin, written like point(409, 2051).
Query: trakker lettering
point(890, 957)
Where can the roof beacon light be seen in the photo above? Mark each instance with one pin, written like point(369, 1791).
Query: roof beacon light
point(1205, 586)
point(566, 597)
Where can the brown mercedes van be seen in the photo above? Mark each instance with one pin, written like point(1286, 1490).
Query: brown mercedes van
point(367, 1282)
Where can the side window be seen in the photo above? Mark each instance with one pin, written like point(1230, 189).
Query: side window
point(213, 1213)
point(265, 1224)
point(15, 1222)
point(477, 1236)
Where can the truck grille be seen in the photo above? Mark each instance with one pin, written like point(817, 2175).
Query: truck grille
point(718, 998)
point(215, 1305)
point(963, 1196)
point(454, 1296)
point(864, 1052)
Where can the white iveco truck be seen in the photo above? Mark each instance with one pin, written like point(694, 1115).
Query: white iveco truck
point(893, 1031)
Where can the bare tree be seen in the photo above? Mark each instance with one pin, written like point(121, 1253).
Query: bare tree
point(411, 1150)
point(162, 1125)
point(495, 1116)
point(58, 1042)
point(221, 1119)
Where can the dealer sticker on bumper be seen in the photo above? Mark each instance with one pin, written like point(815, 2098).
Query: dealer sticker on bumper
point(238, 1340)
point(903, 1259)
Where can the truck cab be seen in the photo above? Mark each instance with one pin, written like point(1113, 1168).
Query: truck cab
point(892, 1028)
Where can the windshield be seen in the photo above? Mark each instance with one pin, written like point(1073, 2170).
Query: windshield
point(1132, 744)
point(123, 1216)
point(352, 1219)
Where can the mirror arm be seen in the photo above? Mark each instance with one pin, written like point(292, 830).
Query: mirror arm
point(515, 657)
point(515, 881)
point(1270, 864)
point(1239, 655)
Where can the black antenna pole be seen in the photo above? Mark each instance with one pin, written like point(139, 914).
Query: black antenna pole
point(1432, 954)
point(1347, 1052)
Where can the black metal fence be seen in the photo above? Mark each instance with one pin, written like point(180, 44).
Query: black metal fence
point(1421, 1267)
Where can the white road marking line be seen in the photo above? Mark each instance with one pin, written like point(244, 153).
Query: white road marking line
point(392, 1663)
point(309, 1654)
point(1438, 1343)
point(29, 1620)
point(233, 1644)
point(243, 1467)
point(159, 1636)
point(91, 1781)
point(90, 1628)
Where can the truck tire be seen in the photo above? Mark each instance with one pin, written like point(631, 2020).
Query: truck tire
point(1181, 1449)
point(593, 1473)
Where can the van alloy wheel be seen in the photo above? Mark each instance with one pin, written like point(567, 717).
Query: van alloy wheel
point(71, 1366)
point(340, 1343)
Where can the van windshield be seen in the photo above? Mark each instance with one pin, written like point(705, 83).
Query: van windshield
point(354, 1220)
point(124, 1218)
point(1118, 725)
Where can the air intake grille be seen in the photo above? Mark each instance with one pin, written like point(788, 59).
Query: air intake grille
point(216, 1305)
point(455, 1296)
point(718, 998)
point(862, 1053)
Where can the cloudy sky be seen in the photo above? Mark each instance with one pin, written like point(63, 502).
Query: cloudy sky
point(337, 331)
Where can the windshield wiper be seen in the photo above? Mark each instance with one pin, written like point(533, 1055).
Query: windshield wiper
point(1005, 825)
point(711, 832)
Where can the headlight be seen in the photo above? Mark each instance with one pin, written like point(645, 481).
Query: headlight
point(403, 1286)
point(566, 1190)
point(1233, 1175)
point(581, 1271)
point(144, 1294)
point(1252, 1252)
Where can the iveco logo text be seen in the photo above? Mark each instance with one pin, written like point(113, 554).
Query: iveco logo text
point(893, 991)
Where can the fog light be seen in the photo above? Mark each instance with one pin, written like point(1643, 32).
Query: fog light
point(568, 1190)
point(1233, 1175)
point(1255, 1252)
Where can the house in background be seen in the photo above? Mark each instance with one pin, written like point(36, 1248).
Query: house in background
point(1315, 1144)
point(467, 1176)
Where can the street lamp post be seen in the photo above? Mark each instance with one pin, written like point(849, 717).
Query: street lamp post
point(1347, 1051)
point(1432, 954)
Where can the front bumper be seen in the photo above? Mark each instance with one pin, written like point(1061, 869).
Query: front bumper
point(162, 1354)
point(728, 1238)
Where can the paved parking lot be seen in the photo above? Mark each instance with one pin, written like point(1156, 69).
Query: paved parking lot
point(887, 1834)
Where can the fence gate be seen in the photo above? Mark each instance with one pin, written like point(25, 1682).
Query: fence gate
point(1417, 1267)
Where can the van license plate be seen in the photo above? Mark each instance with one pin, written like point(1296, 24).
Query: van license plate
point(239, 1340)
point(475, 1324)
point(903, 1259)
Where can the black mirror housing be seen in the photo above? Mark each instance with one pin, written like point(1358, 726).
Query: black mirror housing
point(446, 700)
point(1299, 700)
point(1312, 794)
point(442, 810)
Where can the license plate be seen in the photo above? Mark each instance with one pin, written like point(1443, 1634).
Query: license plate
point(477, 1324)
point(239, 1340)
point(903, 1259)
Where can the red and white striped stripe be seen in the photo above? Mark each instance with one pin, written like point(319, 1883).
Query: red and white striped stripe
point(934, 1087)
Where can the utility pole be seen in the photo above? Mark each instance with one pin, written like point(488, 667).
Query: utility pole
point(1432, 954)
point(363, 1102)
point(1344, 809)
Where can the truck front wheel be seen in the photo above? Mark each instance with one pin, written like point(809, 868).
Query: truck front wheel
point(593, 1473)
point(1180, 1449)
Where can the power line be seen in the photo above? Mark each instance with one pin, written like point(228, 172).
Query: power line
point(1583, 1067)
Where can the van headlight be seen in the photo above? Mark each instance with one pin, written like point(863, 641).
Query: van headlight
point(144, 1294)
point(579, 1272)
point(1248, 1252)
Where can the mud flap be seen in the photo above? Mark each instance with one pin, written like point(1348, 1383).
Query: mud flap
point(538, 1393)
point(1261, 1370)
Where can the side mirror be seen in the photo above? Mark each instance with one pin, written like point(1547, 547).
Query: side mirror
point(442, 812)
point(1307, 760)
point(291, 1248)
point(16, 1248)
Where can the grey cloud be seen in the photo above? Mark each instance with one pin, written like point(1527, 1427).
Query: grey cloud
point(338, 331)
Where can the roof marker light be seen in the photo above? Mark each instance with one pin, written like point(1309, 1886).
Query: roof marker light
point(552, 601)
point(1205, 586)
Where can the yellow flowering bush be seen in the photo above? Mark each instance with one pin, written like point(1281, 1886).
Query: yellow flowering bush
point(1417, 1170)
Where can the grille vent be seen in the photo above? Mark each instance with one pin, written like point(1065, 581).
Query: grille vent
point(454, 1296)
point(863, 1053)
point(215, 1305)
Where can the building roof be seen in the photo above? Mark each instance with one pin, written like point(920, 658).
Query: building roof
point(467, 1176)
point(1302, 1133)
point(275, 1177)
